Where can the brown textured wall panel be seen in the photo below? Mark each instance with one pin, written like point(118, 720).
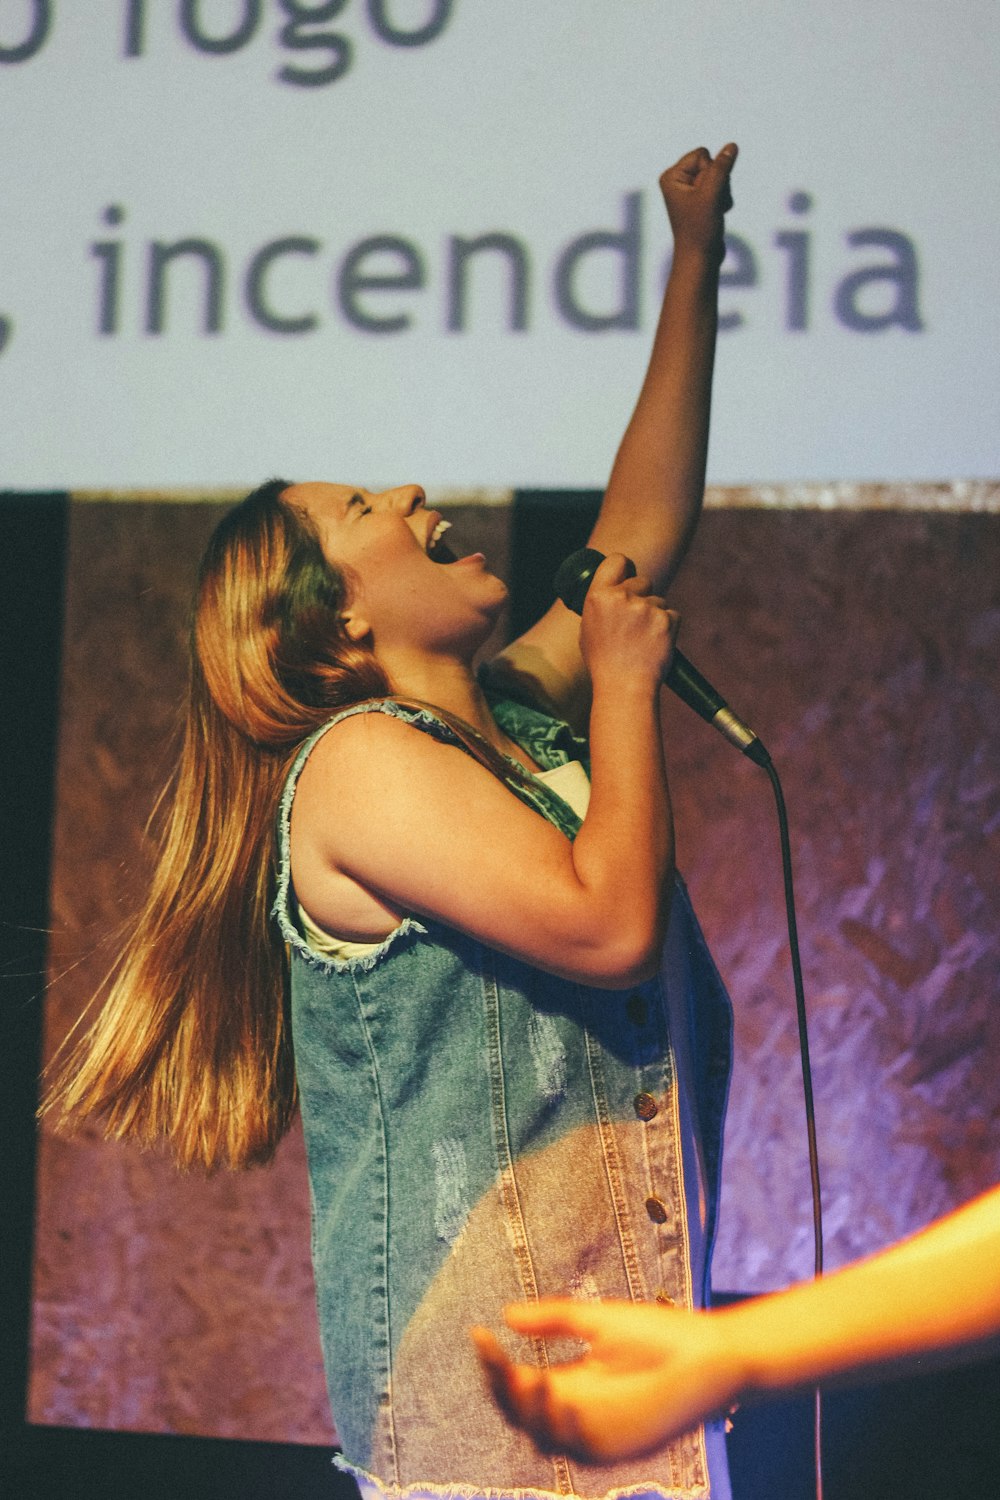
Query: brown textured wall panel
point(863, 648)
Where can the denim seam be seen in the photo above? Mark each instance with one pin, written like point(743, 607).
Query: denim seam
point(509, 1196)
point(712, 1226)
point(687, 1450)
point(613, 1168)
point(692, 1445)
point(661, 1080)
point(675, 1257)
point(387, 1312)
point(670, 1182)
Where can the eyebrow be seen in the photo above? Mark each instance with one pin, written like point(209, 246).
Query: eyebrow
point(356, 499)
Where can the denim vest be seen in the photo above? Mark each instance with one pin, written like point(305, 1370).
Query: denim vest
point(481, 1132)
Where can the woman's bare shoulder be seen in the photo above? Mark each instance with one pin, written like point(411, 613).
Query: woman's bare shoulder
point(372, 740)
point(376, 768)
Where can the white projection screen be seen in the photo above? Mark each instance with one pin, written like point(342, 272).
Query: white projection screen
point(422, 239)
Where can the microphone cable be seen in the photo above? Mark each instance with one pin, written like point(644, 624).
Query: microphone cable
point(807, 1088)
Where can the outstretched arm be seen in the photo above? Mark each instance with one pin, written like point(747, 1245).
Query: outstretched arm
point(653, 498)
point(653, 1372)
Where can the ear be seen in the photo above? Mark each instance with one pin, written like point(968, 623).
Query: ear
point(356, 627)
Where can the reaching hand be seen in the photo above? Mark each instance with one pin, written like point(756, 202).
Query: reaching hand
point(650, 1374)
point(653, 1372)
point(697, 194)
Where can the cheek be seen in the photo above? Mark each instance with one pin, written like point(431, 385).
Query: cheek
point(374, 563)
point(397, 589)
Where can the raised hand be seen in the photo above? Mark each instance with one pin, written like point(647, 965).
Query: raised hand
point(697, 193)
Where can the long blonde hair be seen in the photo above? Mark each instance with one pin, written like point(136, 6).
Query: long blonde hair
point(193, 1041)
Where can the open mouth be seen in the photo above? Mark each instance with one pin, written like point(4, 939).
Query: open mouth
point(437, 548)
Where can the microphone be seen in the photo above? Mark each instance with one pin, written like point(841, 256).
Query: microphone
point(571, 584)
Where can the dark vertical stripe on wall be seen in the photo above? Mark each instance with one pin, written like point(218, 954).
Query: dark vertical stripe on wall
point(547, 526)
point(32, 566)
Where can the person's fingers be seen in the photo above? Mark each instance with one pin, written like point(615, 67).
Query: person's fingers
point(687, 169)
point(528, 1404)
point(536, 1412)
point(551, 1319)
point(500, 1373)
point(528, 1397)
point(551, 1421)
point(523, 1393)
point(487, 1347)
point(615, 568)
point(721, 167)
point(694, 156)
point(699, 171)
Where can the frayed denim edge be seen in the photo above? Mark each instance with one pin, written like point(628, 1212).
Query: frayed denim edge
point(410, 927)
point(487, 1492)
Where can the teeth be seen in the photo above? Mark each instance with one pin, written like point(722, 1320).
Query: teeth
point(436, 535)
point(437, 548)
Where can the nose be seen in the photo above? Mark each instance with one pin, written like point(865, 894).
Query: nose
point(407, 498)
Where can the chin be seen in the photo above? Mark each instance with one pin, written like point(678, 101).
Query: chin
point(491, 615)
point(503, 594)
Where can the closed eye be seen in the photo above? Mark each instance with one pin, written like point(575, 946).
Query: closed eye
point(361, 507)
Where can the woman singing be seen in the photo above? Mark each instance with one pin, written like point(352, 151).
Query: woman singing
point(462, 920)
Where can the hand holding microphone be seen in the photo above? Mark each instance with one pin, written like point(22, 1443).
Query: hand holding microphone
point(627, 632)
point(571, 584)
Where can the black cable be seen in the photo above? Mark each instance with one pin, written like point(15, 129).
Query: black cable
point(807, 1088)
point(800, 1009)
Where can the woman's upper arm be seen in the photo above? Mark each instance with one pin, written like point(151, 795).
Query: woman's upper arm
point(429, 830)
point(545, 665)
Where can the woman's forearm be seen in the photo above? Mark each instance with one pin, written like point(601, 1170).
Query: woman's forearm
point(658, 477)
point(654, 495)
point(625, 848)
point(938, 1291)
point(653, 499)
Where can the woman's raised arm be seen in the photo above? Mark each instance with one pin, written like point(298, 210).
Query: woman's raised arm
point(653, 499)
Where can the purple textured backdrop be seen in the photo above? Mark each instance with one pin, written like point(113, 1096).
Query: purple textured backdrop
point(863, 648)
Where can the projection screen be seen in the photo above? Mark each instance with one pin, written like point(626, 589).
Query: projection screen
point(386, 240)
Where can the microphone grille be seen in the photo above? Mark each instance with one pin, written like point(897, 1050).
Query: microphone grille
point(575, 575)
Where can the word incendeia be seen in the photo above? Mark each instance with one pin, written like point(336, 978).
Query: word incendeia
point(388, 284)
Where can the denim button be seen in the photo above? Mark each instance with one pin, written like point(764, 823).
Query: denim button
point(665, 1299)
point(657, 1210)
point(636, 1010)
point(645, 1106)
